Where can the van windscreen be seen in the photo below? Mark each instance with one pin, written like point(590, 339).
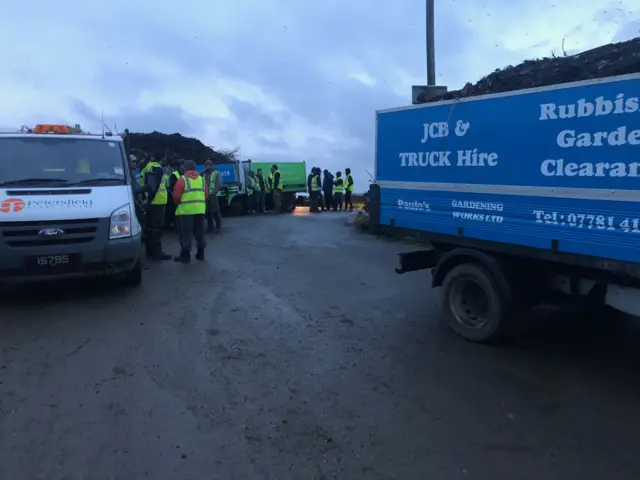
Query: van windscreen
point(57, 160)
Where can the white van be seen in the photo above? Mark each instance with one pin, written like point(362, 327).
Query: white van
point(66, 206)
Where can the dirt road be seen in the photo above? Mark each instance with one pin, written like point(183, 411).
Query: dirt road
point(296, 352)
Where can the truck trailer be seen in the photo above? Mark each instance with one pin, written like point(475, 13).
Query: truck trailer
point(526, 197)
point(294, 176)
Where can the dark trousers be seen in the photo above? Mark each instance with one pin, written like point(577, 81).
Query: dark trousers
point(277, 200)
point(213, 213)
point(191, 226)
point(260, 202)
point(170, 213)
point(347, 200)
point(315, 199)
point(328, 199)
point(252, 202)
point(140, 214)
point(337, 201)
point(154, 220)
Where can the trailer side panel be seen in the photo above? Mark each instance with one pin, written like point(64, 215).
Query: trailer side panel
point(552, 169)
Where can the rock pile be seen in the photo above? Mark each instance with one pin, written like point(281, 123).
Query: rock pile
point(174, 147)
point(605, 61)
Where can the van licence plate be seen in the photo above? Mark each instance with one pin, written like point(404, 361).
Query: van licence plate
point(53, 263)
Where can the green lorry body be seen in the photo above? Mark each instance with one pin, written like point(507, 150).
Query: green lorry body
point(294, 174)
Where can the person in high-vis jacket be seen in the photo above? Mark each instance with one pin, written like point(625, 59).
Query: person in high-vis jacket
point(261, 192)
point(133, 167)
point(138, 194)
point(275, 184)
point(348, 190)
point(168, 214)
point(309, 183)
point(314, 185)
point(174, 176)
point(190, 195)
point(327, 190)
point(252, 188)
point(155, 190)
point(338, 191)
point(213, 179)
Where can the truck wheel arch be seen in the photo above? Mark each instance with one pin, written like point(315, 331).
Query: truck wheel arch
point(459, 256)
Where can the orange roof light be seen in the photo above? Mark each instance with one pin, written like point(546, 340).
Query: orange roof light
point(51, 128)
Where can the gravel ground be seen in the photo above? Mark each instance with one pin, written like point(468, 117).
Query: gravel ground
point(296, 352)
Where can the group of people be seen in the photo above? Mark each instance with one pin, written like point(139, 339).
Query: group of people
point(258, 187)
point(330, 192)
point(177, 198)
point(184, 199)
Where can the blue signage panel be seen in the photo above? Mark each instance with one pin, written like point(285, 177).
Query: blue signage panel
point(551, 169)
point(585, 136)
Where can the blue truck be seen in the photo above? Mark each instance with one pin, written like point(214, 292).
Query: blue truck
point(232, 197)
point(526, 197)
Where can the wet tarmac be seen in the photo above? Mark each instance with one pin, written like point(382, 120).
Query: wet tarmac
point(296, 352)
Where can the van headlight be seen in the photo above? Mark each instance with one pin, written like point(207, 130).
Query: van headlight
point(120, 226)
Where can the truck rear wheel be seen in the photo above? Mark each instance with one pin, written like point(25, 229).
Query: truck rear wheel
point(474, 303)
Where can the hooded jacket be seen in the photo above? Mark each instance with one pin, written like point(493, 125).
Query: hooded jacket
point(328, 182)
point(178, 189)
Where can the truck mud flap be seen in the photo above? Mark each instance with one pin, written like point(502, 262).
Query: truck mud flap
point(419, 260)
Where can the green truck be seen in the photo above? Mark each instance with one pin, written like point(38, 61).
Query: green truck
point(294, 181)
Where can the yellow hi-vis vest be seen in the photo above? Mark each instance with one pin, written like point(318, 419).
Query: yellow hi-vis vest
point(161, 194)
point(83, 167)
point(212, 181)
point(339, 188)
point(350, 188)
point(252, 185)
point(193, 201)
point(272, 177)
point(165, 180)
point(314, 183)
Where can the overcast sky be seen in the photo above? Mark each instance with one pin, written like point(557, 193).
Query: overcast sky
point(281, 79)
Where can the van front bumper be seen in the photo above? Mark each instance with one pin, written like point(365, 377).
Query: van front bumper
point(86, 260)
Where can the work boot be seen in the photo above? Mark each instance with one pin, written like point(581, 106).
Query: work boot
point(157, 253)
point(184, 257)
point(160, 256)
point(200, 254)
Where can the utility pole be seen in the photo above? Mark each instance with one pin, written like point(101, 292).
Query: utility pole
point(431, 47)
point(422, 93)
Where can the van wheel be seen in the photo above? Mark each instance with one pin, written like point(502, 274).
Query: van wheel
point(475, 306)
point(133, 277)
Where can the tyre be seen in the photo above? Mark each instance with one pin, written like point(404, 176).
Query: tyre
point(474, 304)
point(133, 277)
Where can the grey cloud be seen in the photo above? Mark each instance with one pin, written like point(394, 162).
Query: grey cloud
point(279, 144)
point(250, 114)
point(126, 79)
point(162, 118)
point(85, 112)
point(285, 59)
